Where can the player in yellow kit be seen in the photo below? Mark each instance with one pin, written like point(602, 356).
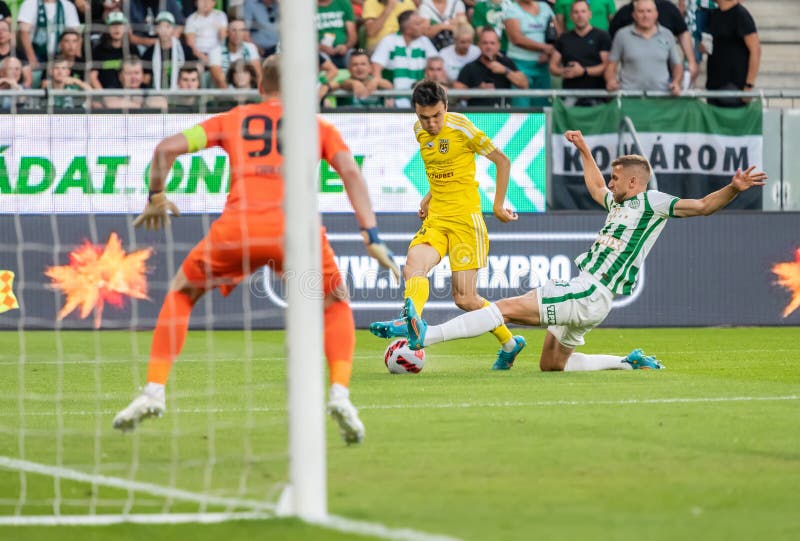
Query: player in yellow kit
point(451, 213)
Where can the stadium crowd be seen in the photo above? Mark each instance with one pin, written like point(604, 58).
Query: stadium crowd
point(370, 45)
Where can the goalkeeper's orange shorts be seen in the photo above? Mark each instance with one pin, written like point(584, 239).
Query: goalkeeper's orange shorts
point(239, 244)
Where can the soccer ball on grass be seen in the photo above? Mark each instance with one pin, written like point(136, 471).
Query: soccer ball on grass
point(400, 359)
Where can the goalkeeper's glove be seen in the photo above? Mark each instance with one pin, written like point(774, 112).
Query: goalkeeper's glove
point(378, 250)
point(156, 213)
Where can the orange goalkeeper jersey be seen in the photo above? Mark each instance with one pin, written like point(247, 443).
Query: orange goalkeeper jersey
point(250, 136)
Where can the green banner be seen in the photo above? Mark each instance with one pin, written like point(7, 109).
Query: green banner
point(694, 147)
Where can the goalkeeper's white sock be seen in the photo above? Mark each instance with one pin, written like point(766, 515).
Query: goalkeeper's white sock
point(338, 392)
point(155, 390)
point(466, 325)
point(582, 361)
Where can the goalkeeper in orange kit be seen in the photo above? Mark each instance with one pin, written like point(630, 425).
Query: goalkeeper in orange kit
point(249, 235)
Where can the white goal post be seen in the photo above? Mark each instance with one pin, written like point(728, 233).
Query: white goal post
point(307, 490)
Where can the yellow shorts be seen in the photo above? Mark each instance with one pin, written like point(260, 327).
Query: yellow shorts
point(463, 237)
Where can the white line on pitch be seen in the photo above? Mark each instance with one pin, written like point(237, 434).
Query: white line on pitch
point(333, 522)
point(259, 510)
point(455, 405)
point(375, 529)
point(105, 520)
point(127, 484)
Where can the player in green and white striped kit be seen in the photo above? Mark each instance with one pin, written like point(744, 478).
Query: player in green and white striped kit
point(570, 309)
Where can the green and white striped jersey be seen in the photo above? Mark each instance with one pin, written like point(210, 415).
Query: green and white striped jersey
point(631, 229)
point(403, 64)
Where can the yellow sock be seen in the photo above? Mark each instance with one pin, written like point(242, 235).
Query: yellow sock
point(418, 289)
point(502, 333)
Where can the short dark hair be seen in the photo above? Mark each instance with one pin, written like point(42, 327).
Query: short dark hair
point(190, 68)
point(427, 93)
point(488, 28)
point(69, 32)
point(359, 52)
point(578, 1)
point(403, 18)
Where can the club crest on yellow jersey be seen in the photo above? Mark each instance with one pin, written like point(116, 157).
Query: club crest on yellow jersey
point(444, 145)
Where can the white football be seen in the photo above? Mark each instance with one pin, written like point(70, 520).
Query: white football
point(400, 359)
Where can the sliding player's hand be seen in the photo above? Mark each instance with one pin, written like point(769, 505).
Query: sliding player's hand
point(156, 213)
point(378, 250)
point(576, 138)
point(743, 180)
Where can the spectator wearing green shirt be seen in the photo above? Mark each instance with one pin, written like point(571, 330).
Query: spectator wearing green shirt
point(490, 13)
point(62, 79)
point(602, 12)
point(336, 29)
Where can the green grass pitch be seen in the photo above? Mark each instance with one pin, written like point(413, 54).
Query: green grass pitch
point(707, 449)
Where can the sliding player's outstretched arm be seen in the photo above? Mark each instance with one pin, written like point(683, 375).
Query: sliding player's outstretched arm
point(156, 212)
point(357, 192)
point(741, 181)
point(595, 182)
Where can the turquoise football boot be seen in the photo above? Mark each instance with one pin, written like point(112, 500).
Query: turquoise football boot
point(389, 329)
point(505, 359)
point(639, 361)
point(417, 327)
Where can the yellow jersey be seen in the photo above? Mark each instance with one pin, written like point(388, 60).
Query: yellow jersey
point(449, 159)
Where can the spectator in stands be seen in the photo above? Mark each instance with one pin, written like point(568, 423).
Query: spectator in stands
point(70, 47)
point(143, 20)
point(435, 71)
point(6, 43)
point(336, 30)
point(328, 73)
point(232, 49)
point(131, 77)
point(11, 75)
point(206, 29)
point(461, 52)
point(403, 56)
point(669, 16)
point(188, 79)
point(380, 19)
point(443, 16)
point(580, 57)
point(62, 79)
point(101, 9)
point(526, 23)
point(242, 76)
point(735, 55)
point(166, 57)
point(41, 23)
point(491, 13)
point(261, 18)
point(11, 78)
point(491, 70)
point(641, 53)
point(695, 13)
point(108, 54)
point(362, 83)
point(602, 13)
point(7, 49)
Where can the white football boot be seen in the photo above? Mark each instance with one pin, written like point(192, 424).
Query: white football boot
point(150, 403)
point(345, 414)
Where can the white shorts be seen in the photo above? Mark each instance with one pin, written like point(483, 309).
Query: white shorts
point(571, 309)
